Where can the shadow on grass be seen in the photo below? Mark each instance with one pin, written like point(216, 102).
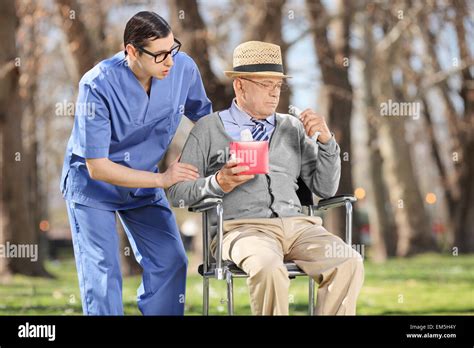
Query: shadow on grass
point(432, 311)
point(47, 309)
point(302, 309)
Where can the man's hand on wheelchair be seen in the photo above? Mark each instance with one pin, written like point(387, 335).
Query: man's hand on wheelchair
point(228, 177)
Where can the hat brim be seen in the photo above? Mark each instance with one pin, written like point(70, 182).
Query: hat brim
point(232, 73)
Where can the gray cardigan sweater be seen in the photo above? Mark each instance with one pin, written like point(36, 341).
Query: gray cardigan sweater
point(291, 155)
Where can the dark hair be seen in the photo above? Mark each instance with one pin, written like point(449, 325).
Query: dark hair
point(142, 27)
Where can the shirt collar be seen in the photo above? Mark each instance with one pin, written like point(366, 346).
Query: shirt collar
point(241, 118)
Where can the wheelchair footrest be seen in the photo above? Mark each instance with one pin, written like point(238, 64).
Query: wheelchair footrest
point(292, 268)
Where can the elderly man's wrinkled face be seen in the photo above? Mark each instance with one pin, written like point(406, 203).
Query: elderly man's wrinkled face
point(258, 96)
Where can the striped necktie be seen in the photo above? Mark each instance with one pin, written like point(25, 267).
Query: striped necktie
point(259, 132)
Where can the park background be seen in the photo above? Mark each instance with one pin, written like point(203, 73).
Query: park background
point(393, 78)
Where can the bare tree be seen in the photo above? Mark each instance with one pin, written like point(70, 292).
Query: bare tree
point(334, 58)
point(12, 206)
point(414, 233)
point(30, 48)
point(464, 217)
point(456, 177)
point(80, 45)
point(189, 26)
point(264, 22)
point(394, 53)
point(16, 225)
point(382, 226)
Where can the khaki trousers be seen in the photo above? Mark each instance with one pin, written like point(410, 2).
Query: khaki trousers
point(260, 247)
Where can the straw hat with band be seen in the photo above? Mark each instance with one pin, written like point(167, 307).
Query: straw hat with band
point(257, 58)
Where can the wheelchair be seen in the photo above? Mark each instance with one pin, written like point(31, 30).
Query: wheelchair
point(219, 269)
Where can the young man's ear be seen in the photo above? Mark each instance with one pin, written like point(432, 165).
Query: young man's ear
point(131, 51)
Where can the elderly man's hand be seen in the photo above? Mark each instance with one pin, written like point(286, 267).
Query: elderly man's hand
point(315, 123)
point(228, 177)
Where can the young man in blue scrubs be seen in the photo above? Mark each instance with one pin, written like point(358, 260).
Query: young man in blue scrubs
point(127, 112)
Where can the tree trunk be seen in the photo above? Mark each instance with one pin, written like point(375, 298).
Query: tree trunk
point(334, 64)
point(265, 23)
point(436, 152)
point(79, 43)
point(17, 225)
point(382, 226)
point(4, 269)
point(189, 27)
point(459, 190)
point(414, 233)
point(38, 205)
point(464, 215)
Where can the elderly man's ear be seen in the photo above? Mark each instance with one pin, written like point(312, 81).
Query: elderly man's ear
point(238, 86)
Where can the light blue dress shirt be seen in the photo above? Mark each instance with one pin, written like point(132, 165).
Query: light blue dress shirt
point(235, 120)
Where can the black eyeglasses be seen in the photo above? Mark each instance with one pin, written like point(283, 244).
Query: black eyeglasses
point(160, 57)
point(282, 87)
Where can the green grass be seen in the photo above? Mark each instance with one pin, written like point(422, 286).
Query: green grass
point(428, 284)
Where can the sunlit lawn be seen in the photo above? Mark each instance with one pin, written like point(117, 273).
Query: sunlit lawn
point(427, 284)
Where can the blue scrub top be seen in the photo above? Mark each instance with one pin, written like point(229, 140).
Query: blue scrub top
point(115, 118)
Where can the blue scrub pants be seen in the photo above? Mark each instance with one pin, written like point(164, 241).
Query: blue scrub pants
point(157, 245)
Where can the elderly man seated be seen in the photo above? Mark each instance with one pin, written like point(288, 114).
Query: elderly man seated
point(264, 225)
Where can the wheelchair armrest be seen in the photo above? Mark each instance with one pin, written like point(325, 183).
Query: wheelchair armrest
point(205, 204)
point(334, 202)
point(202, 207)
